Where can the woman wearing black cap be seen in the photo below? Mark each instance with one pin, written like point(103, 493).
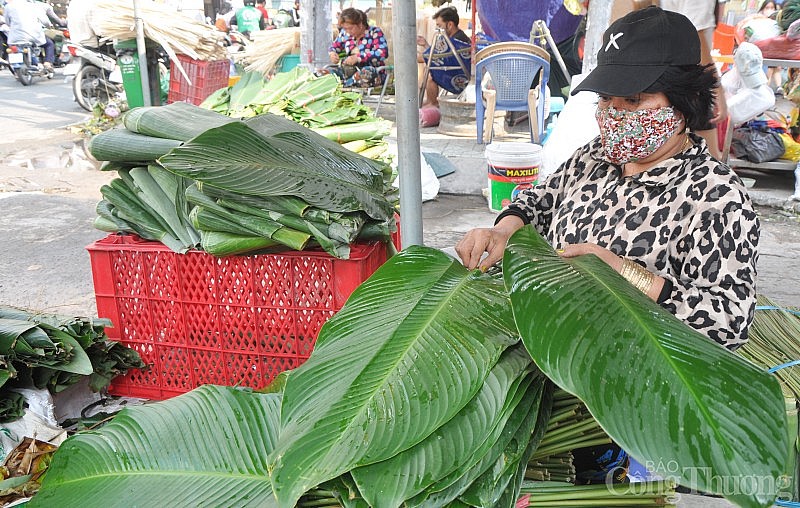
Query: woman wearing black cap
point(646, 196)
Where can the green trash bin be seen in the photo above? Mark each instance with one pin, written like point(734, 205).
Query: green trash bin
point(128, 60)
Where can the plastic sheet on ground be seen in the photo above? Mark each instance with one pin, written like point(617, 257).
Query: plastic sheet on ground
point(430, 183)
point(39, 422)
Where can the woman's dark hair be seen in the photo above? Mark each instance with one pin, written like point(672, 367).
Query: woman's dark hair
point(764, 4)
point(354, 16)
point(690, 90)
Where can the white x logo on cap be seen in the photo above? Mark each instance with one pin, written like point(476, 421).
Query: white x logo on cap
point(612, 40)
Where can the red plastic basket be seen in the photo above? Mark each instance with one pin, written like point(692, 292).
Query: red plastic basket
point(237, 320)
point(206, 78)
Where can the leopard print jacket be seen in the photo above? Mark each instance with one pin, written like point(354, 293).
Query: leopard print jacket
point(688, 220)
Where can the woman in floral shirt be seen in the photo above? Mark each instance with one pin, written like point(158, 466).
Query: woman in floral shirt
point(646, 196)
point(358, 51)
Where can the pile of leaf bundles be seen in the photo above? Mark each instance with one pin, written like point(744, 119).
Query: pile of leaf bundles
point(419, 392)
point(52, 351)
point(558, 494)
point(318, 103)
point(775, 341)
point(190, 177)
point(570, 427)
point(173, 31)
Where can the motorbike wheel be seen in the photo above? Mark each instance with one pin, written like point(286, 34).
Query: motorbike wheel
point(23, 75)
point(90, 87)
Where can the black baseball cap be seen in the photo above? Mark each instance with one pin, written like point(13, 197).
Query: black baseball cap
point(638, 48)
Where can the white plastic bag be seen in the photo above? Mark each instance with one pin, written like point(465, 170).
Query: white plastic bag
point(746, 103)
point(39, 422)
point(430, 184)
point(576, 126)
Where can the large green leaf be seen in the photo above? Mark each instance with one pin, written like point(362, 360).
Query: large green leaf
point(122, 145)
point(179, 120)
point(479, 424)
point(238, 158)
point(499, 485)
point(409, 349)
point(663, 391)
point(205, 448)
point(278, 127)
point(21, 336)
point(532, 413)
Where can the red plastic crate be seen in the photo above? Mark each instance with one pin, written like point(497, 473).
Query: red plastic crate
point(206, 78)
point(236, 320)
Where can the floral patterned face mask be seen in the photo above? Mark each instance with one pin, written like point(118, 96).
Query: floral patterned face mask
point(629, 136)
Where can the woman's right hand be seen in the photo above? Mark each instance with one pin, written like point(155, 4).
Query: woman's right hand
point(334, 57)
point(491, 241)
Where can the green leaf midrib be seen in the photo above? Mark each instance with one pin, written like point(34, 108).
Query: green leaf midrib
point(226, 475)
point(201, 146)
point(578, 263)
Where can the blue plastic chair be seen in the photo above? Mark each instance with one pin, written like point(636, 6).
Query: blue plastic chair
point(512, 67)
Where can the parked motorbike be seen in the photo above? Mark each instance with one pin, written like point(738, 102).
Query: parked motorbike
point(97, 77)
point(26, 61)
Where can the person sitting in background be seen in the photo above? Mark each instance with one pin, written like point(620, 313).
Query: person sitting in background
point(358, 51)
point(26, 24)
point(446, 19)
point(768, 8)
point(646, 196)
point(224, 16)
point(263, 10)
point(295, 13)
point(248, 19)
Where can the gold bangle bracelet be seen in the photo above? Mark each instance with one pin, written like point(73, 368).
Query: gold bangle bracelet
point(637, 275)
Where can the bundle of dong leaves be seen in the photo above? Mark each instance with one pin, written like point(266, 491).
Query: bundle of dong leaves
point(51, 351)
point(419, 392)
point(189, 178)
point(314, 102)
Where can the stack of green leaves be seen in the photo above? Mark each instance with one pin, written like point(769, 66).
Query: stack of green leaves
point(314, 102)
point(189, 177)
point(54, 352)
point(420, 392)
point(150, 202)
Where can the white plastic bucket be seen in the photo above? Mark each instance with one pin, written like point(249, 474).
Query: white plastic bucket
point(512, 167)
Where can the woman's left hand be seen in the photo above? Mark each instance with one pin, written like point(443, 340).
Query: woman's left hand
point(579, 249)
point(351, 60)
point(612, 260)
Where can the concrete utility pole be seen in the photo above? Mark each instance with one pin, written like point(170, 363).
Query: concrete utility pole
point(316, 20)
point(404, 40)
